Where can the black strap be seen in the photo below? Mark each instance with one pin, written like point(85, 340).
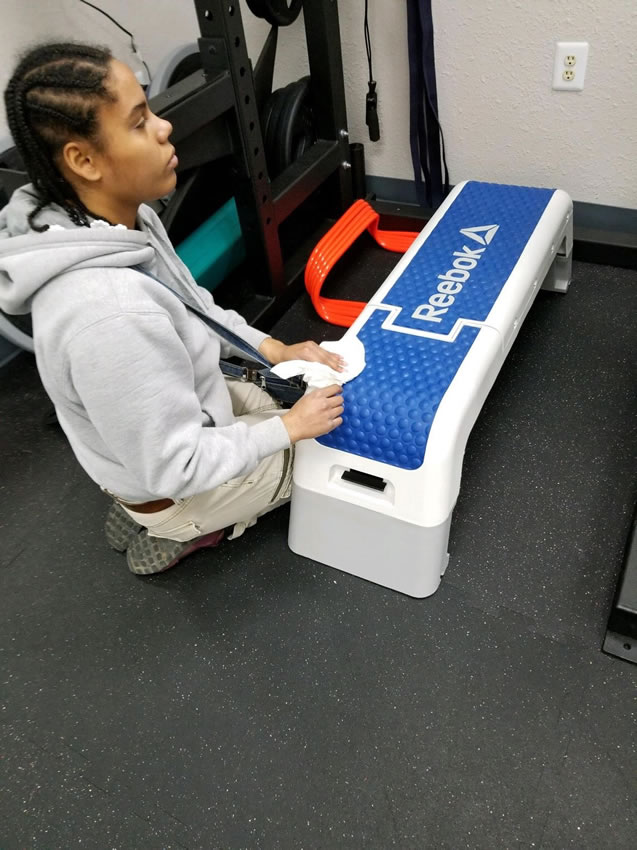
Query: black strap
point(285, 390)
point(416, 123)
point(229, 336)
point(426, 137)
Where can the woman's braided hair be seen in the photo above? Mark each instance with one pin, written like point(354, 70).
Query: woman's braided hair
point(53, 96)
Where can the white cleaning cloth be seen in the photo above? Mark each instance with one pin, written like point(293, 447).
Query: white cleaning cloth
point(318, 375)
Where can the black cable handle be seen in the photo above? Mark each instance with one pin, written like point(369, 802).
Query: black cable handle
point(371, 102)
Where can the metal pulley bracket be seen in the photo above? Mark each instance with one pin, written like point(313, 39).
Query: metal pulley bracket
point(276, 12)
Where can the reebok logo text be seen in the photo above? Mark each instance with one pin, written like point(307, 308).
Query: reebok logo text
point(452, 281)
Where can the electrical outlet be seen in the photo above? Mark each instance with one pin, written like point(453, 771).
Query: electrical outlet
point(569, 66)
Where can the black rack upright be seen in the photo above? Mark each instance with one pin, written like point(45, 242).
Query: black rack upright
point(214, 113)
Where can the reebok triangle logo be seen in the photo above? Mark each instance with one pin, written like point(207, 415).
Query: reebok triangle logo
point(483, 235)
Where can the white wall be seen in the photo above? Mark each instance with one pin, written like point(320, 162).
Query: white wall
point(502, 121)
point(156, 24)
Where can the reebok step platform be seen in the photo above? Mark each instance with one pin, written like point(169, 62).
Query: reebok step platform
point(374, 498)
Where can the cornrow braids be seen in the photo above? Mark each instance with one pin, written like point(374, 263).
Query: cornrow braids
point(53, 95)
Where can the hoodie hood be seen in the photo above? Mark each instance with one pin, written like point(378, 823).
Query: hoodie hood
point(29, 260)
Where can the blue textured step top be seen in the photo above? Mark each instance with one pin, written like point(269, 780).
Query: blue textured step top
point(457, 273)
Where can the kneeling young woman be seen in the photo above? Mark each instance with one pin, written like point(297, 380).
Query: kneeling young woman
point(187, 454)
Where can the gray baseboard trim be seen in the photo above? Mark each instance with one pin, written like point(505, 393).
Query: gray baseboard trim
point(392, 189)
point(589, 216)
point(602, 234)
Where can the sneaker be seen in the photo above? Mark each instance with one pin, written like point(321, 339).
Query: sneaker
point(120, 528)
point(147, 555)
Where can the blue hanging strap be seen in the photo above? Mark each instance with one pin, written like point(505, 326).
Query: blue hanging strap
point(417, 134)
point(426, 138)
point(287, 390)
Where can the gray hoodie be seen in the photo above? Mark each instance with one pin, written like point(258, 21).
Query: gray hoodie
point(133, 374)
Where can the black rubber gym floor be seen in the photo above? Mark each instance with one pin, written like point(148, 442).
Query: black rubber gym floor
point(253, 699)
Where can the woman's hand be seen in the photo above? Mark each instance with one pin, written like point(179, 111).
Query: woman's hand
point(276, 352)
point(317, 413)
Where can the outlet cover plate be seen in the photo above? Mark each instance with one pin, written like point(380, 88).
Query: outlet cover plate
point(570, 56)
point(564, 51)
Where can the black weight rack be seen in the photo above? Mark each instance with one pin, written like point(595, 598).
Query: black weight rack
point(215, 113)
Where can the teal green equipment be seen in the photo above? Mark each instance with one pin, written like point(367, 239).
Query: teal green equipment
point(215, 248)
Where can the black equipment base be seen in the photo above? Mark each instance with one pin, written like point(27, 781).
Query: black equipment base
point(621, 636)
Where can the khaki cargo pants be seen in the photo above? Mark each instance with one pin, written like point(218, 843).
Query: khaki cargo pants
point(239, 502)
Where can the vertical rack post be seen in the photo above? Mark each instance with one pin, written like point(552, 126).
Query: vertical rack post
point(323, 38)
point(262, 205)
point(223, 48)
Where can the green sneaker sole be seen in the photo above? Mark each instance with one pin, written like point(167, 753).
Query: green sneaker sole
point(120, 529)
point(148, 555)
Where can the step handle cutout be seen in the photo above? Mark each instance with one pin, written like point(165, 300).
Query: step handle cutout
point(364, 479)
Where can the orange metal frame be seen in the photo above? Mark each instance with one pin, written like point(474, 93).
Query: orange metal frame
point(358, 218)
